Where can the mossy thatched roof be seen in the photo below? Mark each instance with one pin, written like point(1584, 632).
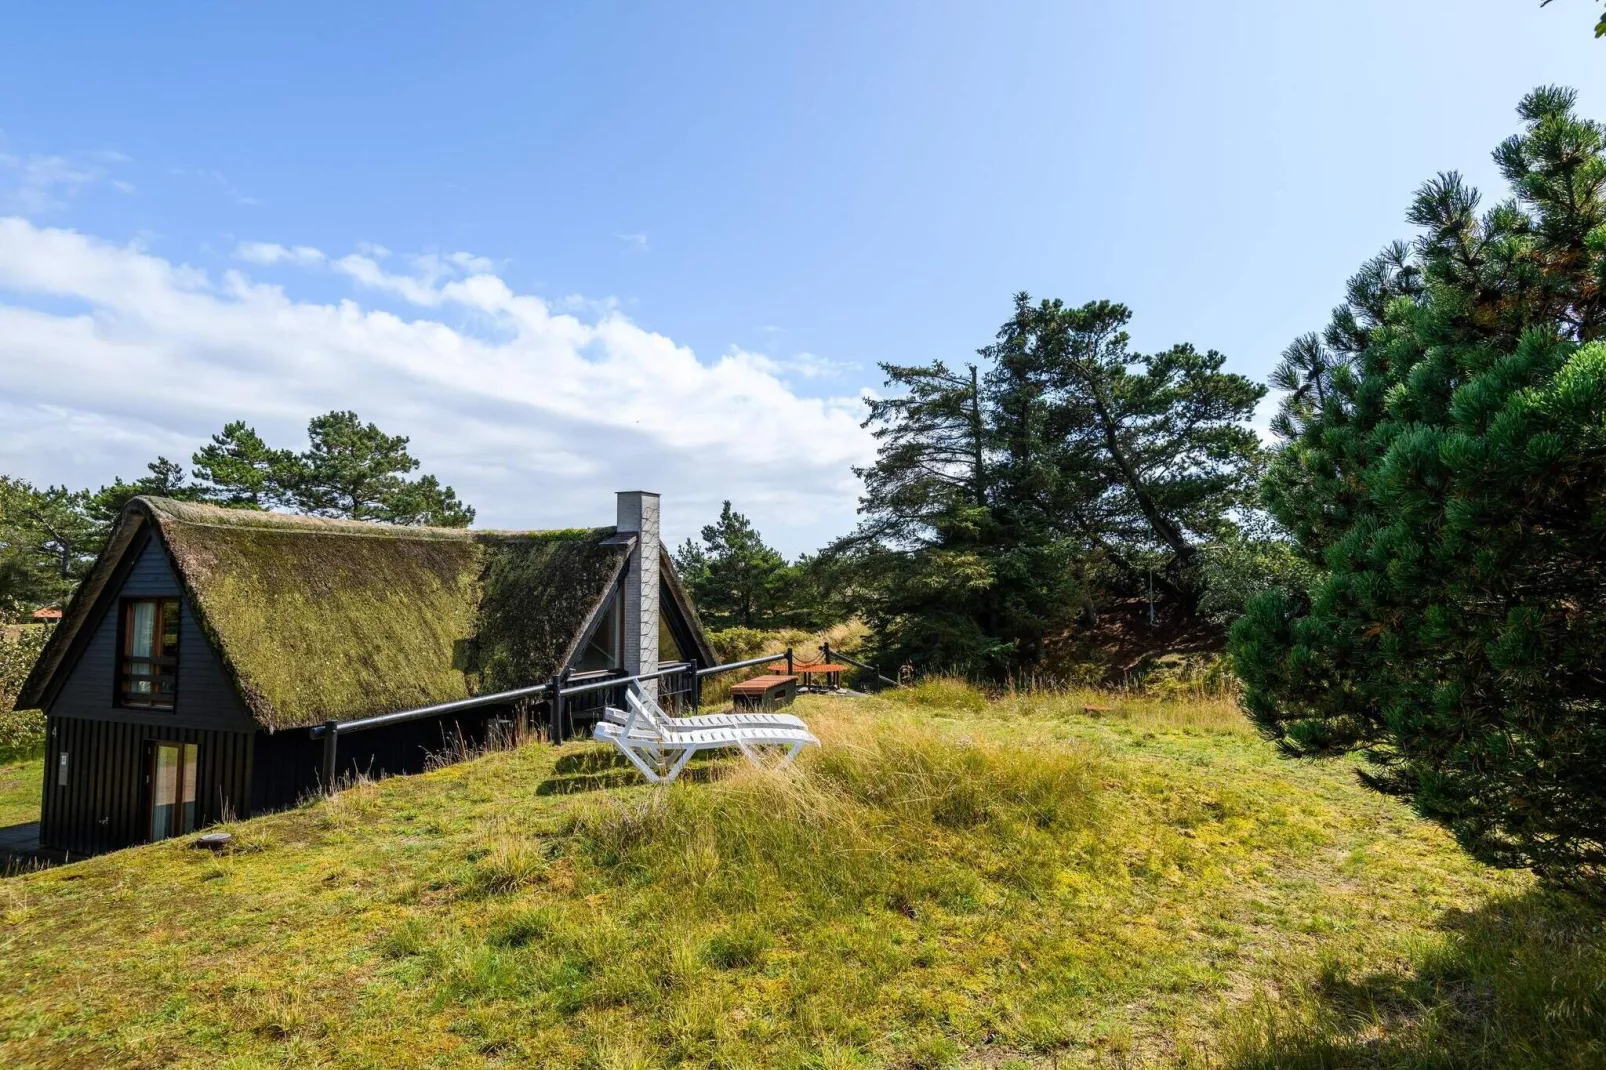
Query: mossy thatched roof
point(331, 620)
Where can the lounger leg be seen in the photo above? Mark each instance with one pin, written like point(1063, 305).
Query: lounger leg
point(635, 760)
point(753, 755)
point(680, 763)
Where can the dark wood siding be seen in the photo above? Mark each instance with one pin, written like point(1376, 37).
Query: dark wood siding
point(205, 697)
point(104, 804)
point(288, 762)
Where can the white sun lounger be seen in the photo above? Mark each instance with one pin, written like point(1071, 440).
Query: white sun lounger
point(643, 708)
point(648, 738)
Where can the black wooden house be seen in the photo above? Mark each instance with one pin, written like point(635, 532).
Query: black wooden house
point(183, 680)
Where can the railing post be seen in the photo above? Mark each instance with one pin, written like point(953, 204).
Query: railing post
point(696, 685)
point(565, 718)
point(554, 710)
point(331, 741)
point(825, 651)
point(789, 661)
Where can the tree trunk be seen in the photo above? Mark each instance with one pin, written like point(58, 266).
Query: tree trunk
point(1162, 526)
point(978, 473)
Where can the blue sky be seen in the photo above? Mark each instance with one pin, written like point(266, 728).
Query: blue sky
point(574, 248)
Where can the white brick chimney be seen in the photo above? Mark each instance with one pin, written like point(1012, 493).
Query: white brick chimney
point(638, 516)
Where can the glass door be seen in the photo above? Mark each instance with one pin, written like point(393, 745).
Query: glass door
point(172, 780)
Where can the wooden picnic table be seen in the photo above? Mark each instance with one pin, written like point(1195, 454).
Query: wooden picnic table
point(830, 670)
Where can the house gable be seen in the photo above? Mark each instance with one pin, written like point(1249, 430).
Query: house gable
point(205, 697)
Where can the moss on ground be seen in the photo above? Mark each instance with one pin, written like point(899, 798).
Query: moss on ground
point(1023, 884)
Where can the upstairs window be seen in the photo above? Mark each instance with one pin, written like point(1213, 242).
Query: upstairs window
point(148, 668)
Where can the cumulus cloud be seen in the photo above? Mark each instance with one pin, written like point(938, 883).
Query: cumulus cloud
point(110, 354)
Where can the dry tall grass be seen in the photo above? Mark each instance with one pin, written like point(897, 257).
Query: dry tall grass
point(956, 879)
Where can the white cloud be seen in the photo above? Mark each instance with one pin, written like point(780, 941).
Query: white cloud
point(535, 425)
point(474, 265)
point(635, 242)
point(814, 366)
point(419, 290)
point(42, 184)
point(267, 252)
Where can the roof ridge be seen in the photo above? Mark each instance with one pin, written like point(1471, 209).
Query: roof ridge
point(207, 514)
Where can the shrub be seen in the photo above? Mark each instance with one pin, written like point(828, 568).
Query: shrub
point(1445, 470)
point(22, 735)
point(1235, 568)
point(20, 647)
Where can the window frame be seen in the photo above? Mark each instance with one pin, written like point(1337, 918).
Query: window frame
point(616, 598)
point(186, 815)
point(670, 615)
point(121, 697)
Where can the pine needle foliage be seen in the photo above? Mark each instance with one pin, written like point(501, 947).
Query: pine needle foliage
point(1008, 497)
point(1444, 473)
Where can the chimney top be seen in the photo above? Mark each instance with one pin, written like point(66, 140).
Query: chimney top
point(638, 511)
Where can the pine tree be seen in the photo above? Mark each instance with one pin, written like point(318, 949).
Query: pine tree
point(356, 471)
point(163, 479)
point(1135, 454)
point(48, 539)
point(1445, 475)
point(927, 555)
point(999, 500)
point(734, 577)
point(239, 470)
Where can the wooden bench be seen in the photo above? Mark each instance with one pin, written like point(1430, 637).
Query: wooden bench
point(764, 694)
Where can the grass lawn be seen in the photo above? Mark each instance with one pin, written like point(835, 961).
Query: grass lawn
point(19, 791)
point(948, 882)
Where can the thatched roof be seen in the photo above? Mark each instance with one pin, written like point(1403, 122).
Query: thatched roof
point(320, 619)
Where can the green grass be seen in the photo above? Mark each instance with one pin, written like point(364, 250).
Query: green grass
point(19, 791)
point(1002, 883)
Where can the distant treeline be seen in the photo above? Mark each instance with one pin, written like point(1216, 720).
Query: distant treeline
point(49, 536)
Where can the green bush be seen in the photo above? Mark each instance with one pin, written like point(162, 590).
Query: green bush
point(19, 649)
point(1445, 474)
point(1234, 569)
point(22, 735)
